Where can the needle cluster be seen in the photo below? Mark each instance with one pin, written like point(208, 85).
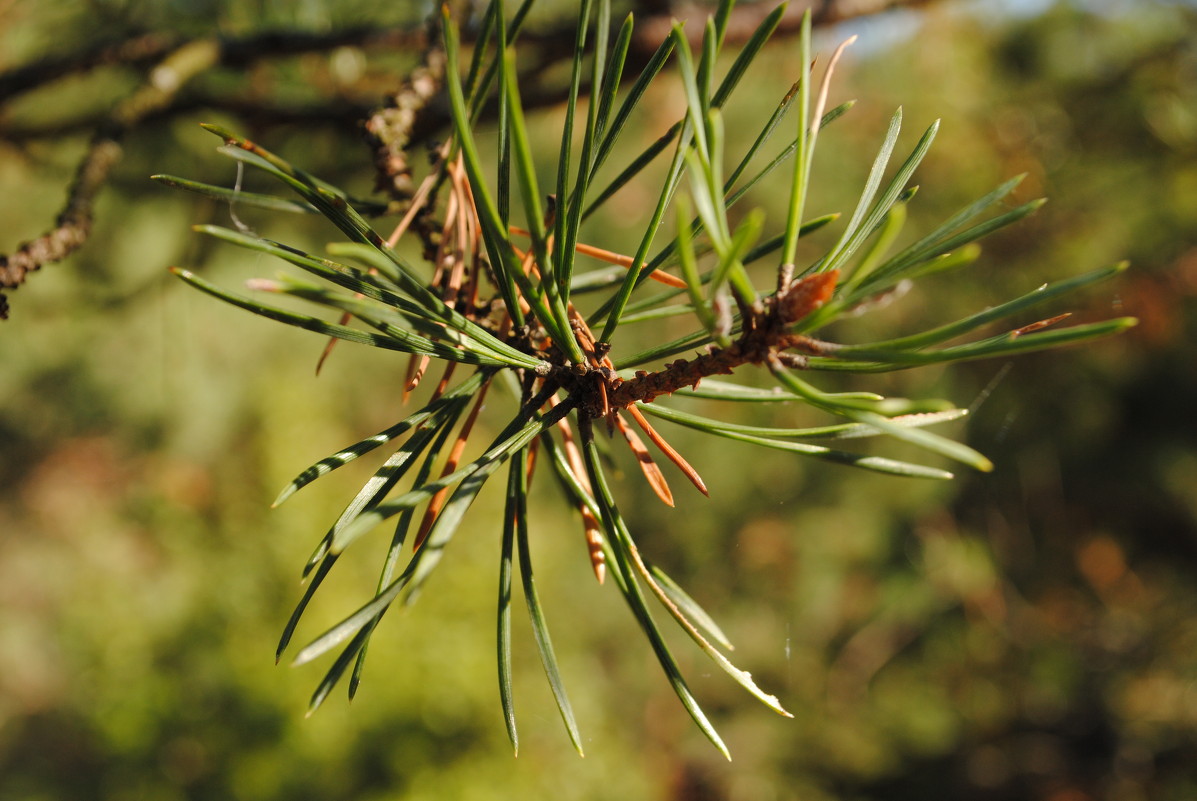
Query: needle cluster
point(498, 309)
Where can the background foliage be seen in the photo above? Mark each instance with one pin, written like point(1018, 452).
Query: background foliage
point(1024, 634)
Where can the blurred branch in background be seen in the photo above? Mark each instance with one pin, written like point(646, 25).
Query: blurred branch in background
point(408, 118)
point(74, 222)
point(156, 96)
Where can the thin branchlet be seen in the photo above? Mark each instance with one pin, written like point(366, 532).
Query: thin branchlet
point(764, 333)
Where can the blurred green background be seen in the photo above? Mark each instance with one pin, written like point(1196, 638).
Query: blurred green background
point(1028, 634)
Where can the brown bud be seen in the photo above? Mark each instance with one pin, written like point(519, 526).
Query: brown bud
point(806, 295)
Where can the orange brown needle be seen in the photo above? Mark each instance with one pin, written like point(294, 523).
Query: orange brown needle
point(668, 450)
point(656, 479)
point(617, 259)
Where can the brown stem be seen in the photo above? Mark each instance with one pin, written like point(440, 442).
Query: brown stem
point(764, 335)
